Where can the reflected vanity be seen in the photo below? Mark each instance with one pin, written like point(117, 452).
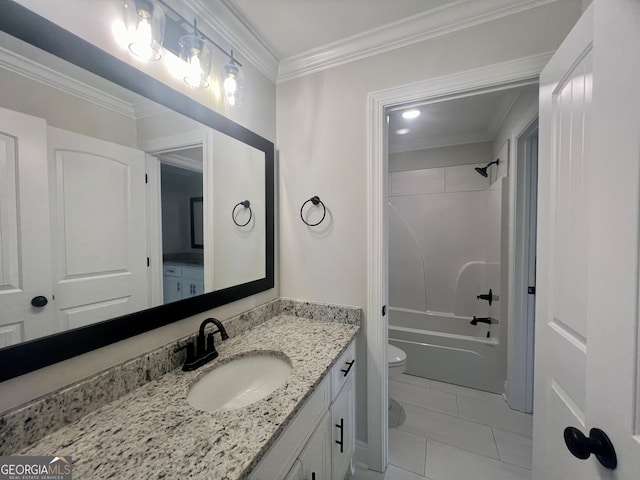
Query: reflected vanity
point(129, 213)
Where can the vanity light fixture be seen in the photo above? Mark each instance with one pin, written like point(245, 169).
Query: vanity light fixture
point(144, 28)
point(196, 55)
point(233, 82)
point(144, 22)
point(411, 114)
point(402, 131)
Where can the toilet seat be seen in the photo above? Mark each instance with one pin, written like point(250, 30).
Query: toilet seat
point(395, 356)
point(396, 361)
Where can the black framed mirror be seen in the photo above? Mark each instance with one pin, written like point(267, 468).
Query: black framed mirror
point(25, 25)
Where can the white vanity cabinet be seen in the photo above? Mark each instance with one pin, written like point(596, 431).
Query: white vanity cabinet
point(182, 281)
point(320, 441)
point(192, 280)
point(343, 419)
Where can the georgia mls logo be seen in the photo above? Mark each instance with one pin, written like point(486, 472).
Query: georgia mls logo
point(61, 462)
point(35, 468)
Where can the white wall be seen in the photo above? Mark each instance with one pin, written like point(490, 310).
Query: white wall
point(237, 253)
point(257, 114)
point(527, 97)
point(465, 154)
point(24, 95)
point(322, 142)
point(177, 191)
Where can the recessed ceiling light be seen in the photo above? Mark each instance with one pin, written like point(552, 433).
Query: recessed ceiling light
point(402, 131)
point(409, 114)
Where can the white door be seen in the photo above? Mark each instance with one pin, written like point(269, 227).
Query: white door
point(99, 228)
point(587, 283)
point(25, 256)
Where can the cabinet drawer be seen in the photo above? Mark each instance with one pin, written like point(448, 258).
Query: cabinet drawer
point(278, 461)
point(343, 370)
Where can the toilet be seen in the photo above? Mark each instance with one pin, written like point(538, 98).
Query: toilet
point(397, 361)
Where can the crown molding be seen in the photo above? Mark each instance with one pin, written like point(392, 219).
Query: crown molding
point(176, 160)
point(32, 70)
point(451, 140)
point(229, 24)
point(434, 23)
point(148, 108)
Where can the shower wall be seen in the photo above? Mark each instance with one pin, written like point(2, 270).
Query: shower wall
point(444, 249)
point(444, 239)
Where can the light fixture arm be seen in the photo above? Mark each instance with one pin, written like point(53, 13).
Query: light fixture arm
point(197, 32)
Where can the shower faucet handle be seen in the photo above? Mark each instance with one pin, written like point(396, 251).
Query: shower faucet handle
point(486, 296)
point(476, 320)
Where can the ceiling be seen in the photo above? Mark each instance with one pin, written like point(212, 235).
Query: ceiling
point(287, 39)
point(291, 27)
point(463, 120)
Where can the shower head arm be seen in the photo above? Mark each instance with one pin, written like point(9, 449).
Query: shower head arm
point(495, 162)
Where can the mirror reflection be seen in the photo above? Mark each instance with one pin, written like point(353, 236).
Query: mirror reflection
point(111, 204)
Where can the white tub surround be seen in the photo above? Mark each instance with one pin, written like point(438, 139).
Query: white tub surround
point(449, 349)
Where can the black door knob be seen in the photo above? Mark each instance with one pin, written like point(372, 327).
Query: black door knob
point(597, 443)
point(39, 301)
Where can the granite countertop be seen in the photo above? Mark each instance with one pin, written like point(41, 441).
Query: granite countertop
point(154, 433)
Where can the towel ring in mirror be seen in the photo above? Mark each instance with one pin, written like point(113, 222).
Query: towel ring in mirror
point(245, 204)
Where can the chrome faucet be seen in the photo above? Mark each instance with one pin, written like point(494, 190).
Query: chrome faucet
point(201, 353)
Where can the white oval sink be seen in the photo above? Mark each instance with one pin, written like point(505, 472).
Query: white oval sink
point(239, 383)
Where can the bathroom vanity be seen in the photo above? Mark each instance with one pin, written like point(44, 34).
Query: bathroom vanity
point(182, 280)
point(303, 430)
point(320, 441)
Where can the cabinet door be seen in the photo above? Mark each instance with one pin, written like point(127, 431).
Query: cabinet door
point(296, 472)
point(343, 428)
point(192, 288)
point(172, 289)
point(316, 456)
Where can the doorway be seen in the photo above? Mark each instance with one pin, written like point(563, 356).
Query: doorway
point(507, 75)
point(182, 233)
point(177, 167)
point(448, 225)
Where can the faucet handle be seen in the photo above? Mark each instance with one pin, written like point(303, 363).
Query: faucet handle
point(191, 352)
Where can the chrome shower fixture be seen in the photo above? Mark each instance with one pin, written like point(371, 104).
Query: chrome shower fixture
point(483, 171)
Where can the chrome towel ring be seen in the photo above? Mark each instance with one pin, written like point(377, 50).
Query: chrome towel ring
point(245, 204)
point(314, 200)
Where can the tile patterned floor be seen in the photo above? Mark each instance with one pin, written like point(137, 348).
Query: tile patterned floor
point(447, 432)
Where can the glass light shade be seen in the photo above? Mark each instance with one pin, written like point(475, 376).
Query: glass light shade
point(144, 21)
point(196, 55)
point(233, 84)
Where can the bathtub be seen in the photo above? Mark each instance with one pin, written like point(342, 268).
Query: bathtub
point(447, 348)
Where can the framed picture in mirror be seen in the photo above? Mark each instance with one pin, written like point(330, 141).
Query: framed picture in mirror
point(197, 235)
